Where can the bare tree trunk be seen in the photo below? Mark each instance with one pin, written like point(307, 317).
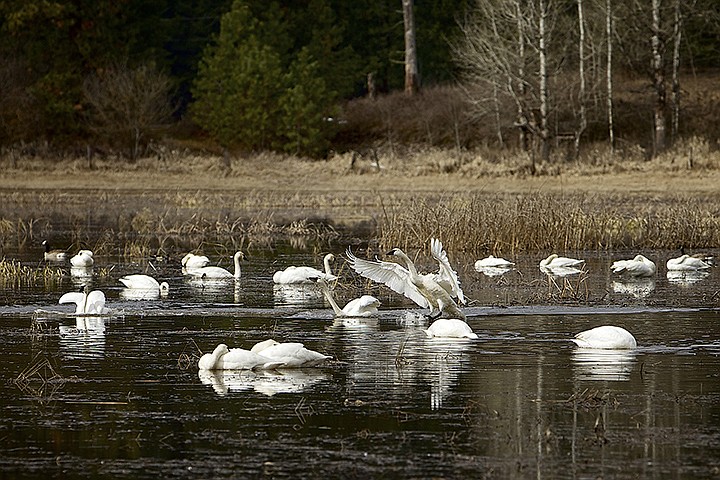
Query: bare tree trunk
point(675, 96)
point(522, 116)
point(658, 79)
point(412, 84)
point(498, 122)
point(609, 69)
point(581, 53)
point(544, 132)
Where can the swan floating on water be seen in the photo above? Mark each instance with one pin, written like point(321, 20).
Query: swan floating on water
point(219, 272)
point(639, 266)
point(289, 354)
point(192, 261)
point(84, 258)
point(493, 262)
point(554, 261)
point(92, 303)
point(424, 290)
point(686, 263)
point(607, 336)
point(450, 328)
point(144, 282)
point(365, 306)
point(303, 274)
point(223, 358)
point(53, 255)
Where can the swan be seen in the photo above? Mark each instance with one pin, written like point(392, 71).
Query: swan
point(53, 255)
point(607, 336)
point(219, 272)
point(88, 303)
point(192, 261)
point(636, 267)
point(446, 277)
point(304, 274)
point(554, 261)
point(144, 282)
point(84, 258)
point(687, 263)
point(365, 306)
point(421, 289)
point(290, 354)
point(223, 358)
point(493, 262)
point(450, 328)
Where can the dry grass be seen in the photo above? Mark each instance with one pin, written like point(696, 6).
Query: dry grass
point(14, 275)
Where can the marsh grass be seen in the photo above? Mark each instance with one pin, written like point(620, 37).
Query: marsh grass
point(14, 275)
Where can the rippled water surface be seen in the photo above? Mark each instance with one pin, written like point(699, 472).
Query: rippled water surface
point(120, 396)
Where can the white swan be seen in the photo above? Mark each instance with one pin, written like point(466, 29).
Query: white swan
point(636, 267)
point(607, 336)
point(450, 328)
point(223, 358)
point(365, 306)
point(493, 262)
point(304, 274)
point(219, 272)
point(84, 258)
point(53, 255)
point(421, 289)
point(446, 277)
point(686, 263)
point(92, 303)
point(290, 354)
point(554, 261)
point(144, 282)
point(192, 261)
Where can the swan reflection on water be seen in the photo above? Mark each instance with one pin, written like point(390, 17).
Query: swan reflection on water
point(494, 271)
point(638, 288)
point(267, 382)
point(444, 360)
point(560, 272)
point(139, 294)
point(296, 294)
point(686, 278)
point(603, 364)
point(355, 324)
point(84, 339)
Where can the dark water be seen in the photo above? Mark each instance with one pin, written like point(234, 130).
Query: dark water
point(121, 396)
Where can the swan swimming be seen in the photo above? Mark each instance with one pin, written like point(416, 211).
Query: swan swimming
point(290, 354)
point(219, 272)
point(636, 267)
point(92, 303)
point(607, 336)
point(192, 261)
point(450, 328)
point(303, 274)
point(144, 282)
point(686, 263)
point(424, 290)
point(53, 255)
point(554, 261)
point(84, 258)
point(223, 358)
point(365, 306)
point(493, 262)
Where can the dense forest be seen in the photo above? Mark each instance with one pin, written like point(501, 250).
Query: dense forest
point(313, 76)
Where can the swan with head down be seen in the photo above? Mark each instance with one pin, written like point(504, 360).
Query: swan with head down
point(144, 282)
point(639, 266)
point(450, 328)
point(606, 336)
point(192, 261)
point(687, 263)
point(289, 354)
point(555, 261)
point(84, 258)
point(223, 358)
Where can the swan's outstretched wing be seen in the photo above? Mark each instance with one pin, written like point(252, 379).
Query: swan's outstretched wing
point(391, 274)
point(95, 302)
point(446, 276)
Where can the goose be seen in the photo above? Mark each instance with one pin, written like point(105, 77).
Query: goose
point(686, 263)
point(192, 261)
point(292, 275)
point(87, 303)
point(144, 282)
point(450, 328)
point(365, 306)
point(493, 262)
point(607, 336)
point(636, 267)
point(84, 258)
point(223, 358)
point(424, 290)
point(219, 272)
point(554, 261)
point(53, 255)
point(290, 354)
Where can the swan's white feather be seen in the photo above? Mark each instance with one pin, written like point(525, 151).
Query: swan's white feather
point(606, 336)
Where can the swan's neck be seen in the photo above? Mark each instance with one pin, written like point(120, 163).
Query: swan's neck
point(331, 300)
point(410, 265)
point(326, 261)
point(236, 259)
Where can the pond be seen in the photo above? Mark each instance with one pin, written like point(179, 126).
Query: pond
point(120, 396)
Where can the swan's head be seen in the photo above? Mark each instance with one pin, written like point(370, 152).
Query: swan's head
point(394, 251)
point(164, 288)
point(265, 344)
point(239, 255)
point(329, 257)
point(186, 258)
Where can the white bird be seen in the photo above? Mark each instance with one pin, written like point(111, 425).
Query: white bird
point(192, 261)
point(92, 303)
point(554, 261)
point(446, 277)
point(84, 258)
point(636, 267)
point(365, 306)
point(53, 255)
point(303, 274)
point(686, 263)
point(607, 336)
point(493, 262)
point(223, 358)
point(144, 282)
point(289, 354)
point(450, 328)
point(421, 289)
point(219, 272)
